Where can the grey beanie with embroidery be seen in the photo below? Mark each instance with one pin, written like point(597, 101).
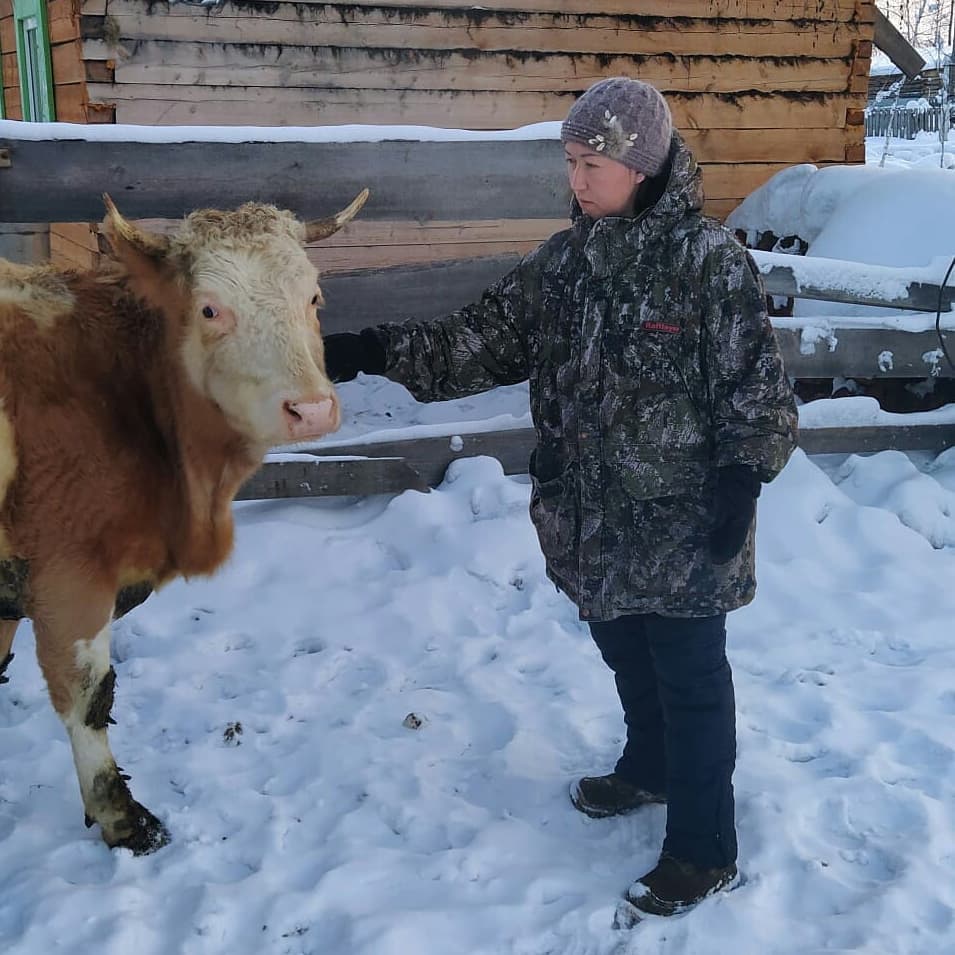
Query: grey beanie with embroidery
point(627, 120)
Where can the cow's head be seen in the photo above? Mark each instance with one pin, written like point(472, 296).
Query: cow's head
point(241, 297)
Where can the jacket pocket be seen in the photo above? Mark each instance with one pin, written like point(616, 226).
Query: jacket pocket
point(553, 512)
point(649, 476)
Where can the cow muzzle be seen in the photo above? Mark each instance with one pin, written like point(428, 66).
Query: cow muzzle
point(311, 419)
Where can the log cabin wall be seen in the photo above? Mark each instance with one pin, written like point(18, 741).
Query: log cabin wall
point(754, 85)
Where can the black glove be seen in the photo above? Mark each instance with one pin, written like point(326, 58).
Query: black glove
point(734, 505)
point(347, 353)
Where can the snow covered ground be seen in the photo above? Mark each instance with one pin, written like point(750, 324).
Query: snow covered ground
point(265, 716)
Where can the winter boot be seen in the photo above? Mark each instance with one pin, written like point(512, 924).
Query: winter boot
point(602, 796)
point(675, 886)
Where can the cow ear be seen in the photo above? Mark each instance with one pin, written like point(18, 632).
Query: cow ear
point(318, 229)
point(132, 246)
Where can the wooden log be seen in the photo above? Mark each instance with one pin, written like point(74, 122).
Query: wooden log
point(798, 281)
point(65, 252)
point(773, 145)
point(896, 47)
point(721, 208)
point(205, 64)
point(381, 245)
point(832, 10)
point(63, 21)
point(371, 245)
point(358, 299)
point(99, 71)
point(283, 479)
point(294, 25)
point(855, 153)
point(84, 235)
point(834, 352)
point(864, 439)
point(428, 458)
point(97, 113)
point(731, 180)
point(12, 104)
point(11, 71)
point(855, 117)
point(390, 467)
point(152, 104)
point(71, 103)
point(63, 180)
point(66, 62)
point(143, 103)
point(376, 246)
point(8, 34)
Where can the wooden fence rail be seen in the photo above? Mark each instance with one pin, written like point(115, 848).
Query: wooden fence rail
point(389, 467)
point(903, 123)
point(63, 180)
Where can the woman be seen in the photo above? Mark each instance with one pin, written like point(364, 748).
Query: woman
point(660, 405)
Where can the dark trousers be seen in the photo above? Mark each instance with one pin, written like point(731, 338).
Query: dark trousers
point(676, 688)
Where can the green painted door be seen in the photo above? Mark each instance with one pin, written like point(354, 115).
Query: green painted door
point(33, 57)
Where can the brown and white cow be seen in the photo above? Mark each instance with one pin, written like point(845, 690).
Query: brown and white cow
point(134, 401)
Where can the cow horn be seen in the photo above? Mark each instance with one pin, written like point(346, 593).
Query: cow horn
point(319, 229)
point(116, 227)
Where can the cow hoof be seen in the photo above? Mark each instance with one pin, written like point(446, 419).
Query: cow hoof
point(142, 834)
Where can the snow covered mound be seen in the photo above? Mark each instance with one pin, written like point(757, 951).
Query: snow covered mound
point(800, 200)
point(881, 216)
point(361, 735)
point(904, 217)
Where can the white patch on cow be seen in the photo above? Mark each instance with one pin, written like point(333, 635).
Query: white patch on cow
point(39, 292)
point(270, 355)
point(91, 752)
point(93, 655)
point(8, 468)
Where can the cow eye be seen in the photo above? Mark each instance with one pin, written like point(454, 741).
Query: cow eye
point(209, 312)
point(315, 300)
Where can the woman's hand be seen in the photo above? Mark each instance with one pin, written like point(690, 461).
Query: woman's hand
point(737, 488)
point(347, 353)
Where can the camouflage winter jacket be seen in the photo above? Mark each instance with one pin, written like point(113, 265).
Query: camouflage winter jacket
point(651, 363)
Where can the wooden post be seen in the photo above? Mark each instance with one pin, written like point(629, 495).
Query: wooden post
point(896, 47)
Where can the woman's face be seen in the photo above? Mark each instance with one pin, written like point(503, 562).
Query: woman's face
point(603, 186)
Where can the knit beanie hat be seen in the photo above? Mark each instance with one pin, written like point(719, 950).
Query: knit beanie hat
point(627, 120)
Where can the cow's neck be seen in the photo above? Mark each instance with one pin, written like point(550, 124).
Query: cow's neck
point(213, 463)
point(208, 461)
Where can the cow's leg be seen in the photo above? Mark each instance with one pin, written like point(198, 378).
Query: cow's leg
point(8, 629)
point(80, 680)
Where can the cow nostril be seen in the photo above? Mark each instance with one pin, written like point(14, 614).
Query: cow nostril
point(291, 412)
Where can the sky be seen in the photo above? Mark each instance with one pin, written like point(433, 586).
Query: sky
point(361, 732)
